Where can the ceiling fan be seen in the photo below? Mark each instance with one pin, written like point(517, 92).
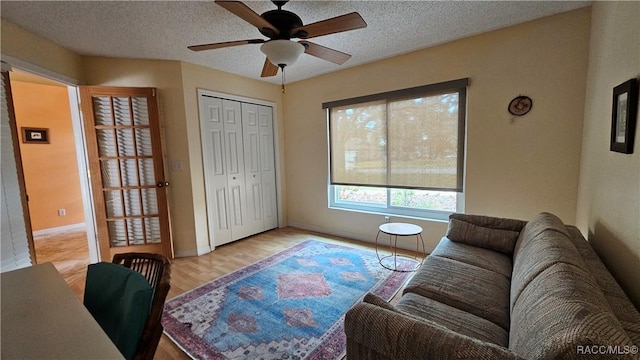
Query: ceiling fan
point(280, 26)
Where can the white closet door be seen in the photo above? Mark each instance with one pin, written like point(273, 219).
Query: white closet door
point(235, 169)
point(253, 178)
point(214, 158)
point(239, 165)
point(267, 168)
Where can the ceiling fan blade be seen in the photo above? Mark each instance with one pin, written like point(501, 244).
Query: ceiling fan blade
point(224, 44)
point(325, 53)
point(334, 25)
point(268, 69)
point(245, 13)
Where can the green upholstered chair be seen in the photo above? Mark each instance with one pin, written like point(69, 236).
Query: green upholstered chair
point(157, 270)
point(120, 300)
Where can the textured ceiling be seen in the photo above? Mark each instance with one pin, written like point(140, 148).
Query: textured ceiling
point(164, 29)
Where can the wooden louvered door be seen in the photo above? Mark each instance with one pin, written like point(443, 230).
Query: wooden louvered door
point(127, 173)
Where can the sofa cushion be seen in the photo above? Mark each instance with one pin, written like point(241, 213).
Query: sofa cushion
point(542, 243)
point(470, 288)
point(473, 255)
point(483, 231)
point(560, 311)
point(453, 319)
point(378, 333)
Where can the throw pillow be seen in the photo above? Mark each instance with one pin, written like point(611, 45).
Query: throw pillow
point(489, 238)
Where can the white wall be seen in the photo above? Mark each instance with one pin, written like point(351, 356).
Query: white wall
point(609, 198)
point(515, 167)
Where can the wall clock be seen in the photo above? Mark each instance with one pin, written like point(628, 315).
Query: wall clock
point(520, 105)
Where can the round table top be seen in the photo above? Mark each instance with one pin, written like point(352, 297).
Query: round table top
point(400, 229)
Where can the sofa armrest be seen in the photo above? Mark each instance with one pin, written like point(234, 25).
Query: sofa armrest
point(377, 333)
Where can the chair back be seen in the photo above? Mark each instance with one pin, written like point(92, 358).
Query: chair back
point(157, 270)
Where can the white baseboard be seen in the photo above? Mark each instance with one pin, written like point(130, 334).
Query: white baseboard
point(369, 238)
point(59, 229)
point(191, 253)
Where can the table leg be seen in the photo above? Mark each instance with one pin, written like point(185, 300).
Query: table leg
point(424, 250)
point(377, 254)
point(395, 253)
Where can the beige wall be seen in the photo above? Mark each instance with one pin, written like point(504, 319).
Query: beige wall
point(25, 46)
point(609, 198)
point(50, 170)
point(515, 167)
point(166, 77)
point(177, 85)
point(198, 77)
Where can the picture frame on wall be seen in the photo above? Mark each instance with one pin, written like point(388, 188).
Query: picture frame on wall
point(623, 116)
point(35, 135)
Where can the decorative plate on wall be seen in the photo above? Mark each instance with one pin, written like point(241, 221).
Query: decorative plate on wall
point(520, 105)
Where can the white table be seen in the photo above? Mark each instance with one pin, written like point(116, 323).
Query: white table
point(394, 230)
point(43, 319)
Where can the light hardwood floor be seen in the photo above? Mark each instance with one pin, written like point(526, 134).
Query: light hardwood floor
point(186, 273)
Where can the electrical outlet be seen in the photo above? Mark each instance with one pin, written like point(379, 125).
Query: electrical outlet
point(62, 212)
point(387, 219)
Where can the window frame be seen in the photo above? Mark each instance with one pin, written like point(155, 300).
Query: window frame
point(459, 86)
point(389, 210)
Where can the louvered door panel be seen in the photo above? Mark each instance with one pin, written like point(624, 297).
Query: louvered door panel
point(128, 181)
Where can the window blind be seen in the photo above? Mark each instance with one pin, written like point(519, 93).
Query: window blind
point(15, 244)
point(411, 138)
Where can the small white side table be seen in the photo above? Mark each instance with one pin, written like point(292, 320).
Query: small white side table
point(399, 229)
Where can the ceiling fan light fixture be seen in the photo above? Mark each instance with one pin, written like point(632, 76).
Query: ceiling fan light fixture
point(282, 52)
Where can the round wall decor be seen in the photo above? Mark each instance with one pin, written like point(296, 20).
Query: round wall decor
point(520, 105)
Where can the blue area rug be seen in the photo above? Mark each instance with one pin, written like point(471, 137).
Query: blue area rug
point(288, 306)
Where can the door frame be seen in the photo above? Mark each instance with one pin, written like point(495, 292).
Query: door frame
point(276, 148)
point(80, 144)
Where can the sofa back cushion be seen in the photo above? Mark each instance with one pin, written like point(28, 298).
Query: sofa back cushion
point(543, 242)
point(562, 314)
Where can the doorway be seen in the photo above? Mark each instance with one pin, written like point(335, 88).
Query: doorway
point(58, 203)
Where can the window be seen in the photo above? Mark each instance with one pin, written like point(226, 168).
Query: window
point(400, 152)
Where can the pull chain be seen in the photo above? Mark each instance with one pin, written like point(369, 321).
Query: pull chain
point(283, 79)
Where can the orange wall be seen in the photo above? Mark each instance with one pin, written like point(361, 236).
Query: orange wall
point(50, 170)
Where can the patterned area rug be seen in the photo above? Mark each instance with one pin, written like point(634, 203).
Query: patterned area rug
point(288, 306)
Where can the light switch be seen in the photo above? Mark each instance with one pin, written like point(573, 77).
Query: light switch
point(176, 165)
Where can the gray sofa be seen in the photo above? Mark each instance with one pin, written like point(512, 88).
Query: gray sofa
point(498, 288)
